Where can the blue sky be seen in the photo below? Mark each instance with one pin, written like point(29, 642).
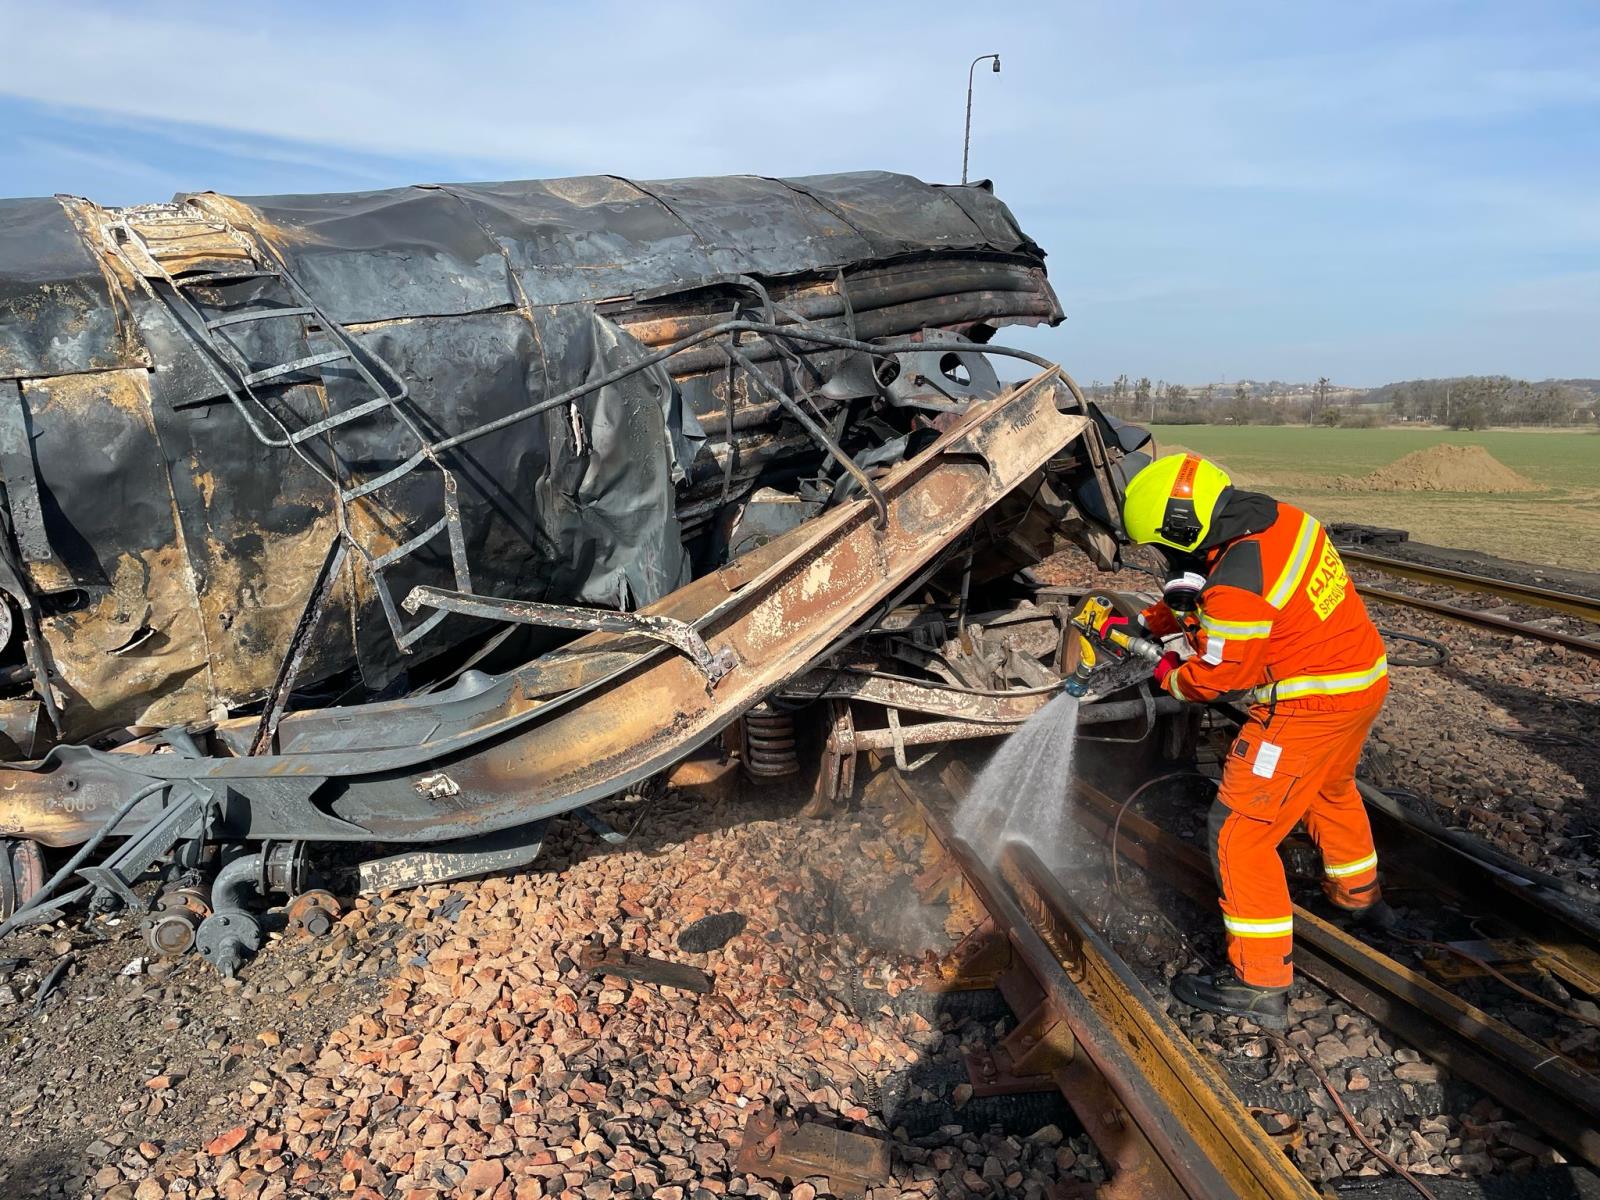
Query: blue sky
point(1367, 191)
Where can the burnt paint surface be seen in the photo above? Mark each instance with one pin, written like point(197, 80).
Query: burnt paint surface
point(56, 312)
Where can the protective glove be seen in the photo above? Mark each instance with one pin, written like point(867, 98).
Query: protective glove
point(1166, 665)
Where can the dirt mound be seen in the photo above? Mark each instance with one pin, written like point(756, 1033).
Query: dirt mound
point(1442, 468)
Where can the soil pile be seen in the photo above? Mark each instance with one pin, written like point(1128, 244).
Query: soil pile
point(1443, 468)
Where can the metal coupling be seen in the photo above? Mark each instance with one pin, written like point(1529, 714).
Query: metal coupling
point(284, 867)
point(226, 939)
point(170, 927)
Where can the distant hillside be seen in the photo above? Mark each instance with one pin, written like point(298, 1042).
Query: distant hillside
point(1589, 388)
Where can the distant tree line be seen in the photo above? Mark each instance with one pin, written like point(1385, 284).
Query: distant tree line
point(1468, 402)
point(1475, 401)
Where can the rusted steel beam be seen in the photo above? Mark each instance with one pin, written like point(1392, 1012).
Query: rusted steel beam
point(1547, 1088)
point(604, 712)
point(1213, 1114)
point(930, 697)
point(570, 617)
point(934, 732)
point(788, 1150)
point(599, 959)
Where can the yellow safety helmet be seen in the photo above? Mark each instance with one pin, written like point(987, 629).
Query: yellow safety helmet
point(1172, 501)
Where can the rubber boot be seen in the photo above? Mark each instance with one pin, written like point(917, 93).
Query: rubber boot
point(1228, 995)
point(1377, 916)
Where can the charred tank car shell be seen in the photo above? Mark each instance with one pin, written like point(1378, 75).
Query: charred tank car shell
point(195, 395)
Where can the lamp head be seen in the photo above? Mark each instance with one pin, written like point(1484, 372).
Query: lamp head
point(997, 64)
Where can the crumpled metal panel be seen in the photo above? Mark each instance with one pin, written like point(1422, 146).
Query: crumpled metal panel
point(448, 249)
point(373, 256)
point(56, 313)
point(589, 238)
point(896, 214)
point(134, 651)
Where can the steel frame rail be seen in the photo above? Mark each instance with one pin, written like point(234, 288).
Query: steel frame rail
point(608, 709)
point(1558, 917)
point(1586, 608)
point(1486, 620)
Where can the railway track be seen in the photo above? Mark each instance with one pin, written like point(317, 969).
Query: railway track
point(1509, 593)
point(1165, 1117)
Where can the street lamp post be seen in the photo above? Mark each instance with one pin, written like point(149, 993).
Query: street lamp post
point(966, 138)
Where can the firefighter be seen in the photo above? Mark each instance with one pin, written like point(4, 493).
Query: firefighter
point(1277, 622)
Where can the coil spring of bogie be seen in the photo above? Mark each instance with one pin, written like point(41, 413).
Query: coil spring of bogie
point(769, 743)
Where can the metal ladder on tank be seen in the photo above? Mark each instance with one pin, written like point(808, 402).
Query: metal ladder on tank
point(133, 238)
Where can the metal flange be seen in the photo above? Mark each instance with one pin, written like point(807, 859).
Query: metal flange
point(171, 926)
point(313, 912)
point(225, 939)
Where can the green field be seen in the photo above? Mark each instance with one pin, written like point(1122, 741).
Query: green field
point(1557, 522)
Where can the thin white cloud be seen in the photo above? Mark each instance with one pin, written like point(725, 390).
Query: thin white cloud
point(101, 161)
point(1088, 98)
point(1157, 150)
point(566, 89)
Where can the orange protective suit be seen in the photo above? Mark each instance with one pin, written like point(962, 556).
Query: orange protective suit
point(1280, 623)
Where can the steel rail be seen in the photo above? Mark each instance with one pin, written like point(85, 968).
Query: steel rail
point(1486, 620)
point(1546, 1087)
point(1205, 1101)
point(1556, 916)
point(1194, 1138)
point(1572, 603)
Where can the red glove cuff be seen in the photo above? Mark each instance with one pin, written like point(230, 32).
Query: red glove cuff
point(1166, 666)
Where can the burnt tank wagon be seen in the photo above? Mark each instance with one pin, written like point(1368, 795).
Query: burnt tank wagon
point(201, 397)
point(422, 515)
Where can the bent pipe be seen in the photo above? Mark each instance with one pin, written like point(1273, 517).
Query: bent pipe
point(871, 291)
point(795, 332)
point(238, 880)
point(231, 933)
